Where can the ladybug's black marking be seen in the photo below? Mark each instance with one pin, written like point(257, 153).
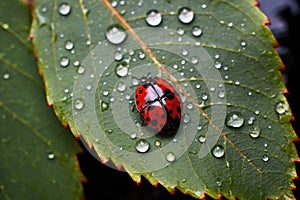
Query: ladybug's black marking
point(171, 111)
point(178, 109)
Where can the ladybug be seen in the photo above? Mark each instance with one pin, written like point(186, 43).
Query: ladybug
point(159, 105)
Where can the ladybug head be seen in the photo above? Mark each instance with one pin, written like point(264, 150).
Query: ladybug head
point(145, 79)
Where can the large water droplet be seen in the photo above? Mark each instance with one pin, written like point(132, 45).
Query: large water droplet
point(281, 108)
point(64, 9)
point(218, 151)
point(64, 62)
point(121, 70)
point(142, 146)
point(154, 18)
point(234, 119)
point(170, 156)
point(116, 34)
point(78, 104)
point(196, 31)
point(185, 15)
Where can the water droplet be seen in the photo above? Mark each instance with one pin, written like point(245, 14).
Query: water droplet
point(186, 118)
point(170, 156)
point(157, 143)
point(69, 45)
point(50, 156)
point(121, 70)
point(5, 26)
point(196, 31)
point(255, 133)
point(243, 43)
point(80, 70)
point(204, 96)
point(64, 9)
point(185, 52)
point(251, 120)
point(153, 18)
point(76, 63)
point(219, 182)
point(121, 87)
point(218, 151)
point(221, 94)
point(281, 108)
point(230, 24)
point(250, 93)
point(265, 158)
point(190, 106)
point(114, 4)
point(118, 56)
point(218, 65)
point(142, 146)
point(104, 106)
point(134, 81)
point(88, 42)
point(180, 31)
point(199, 127)
point(265, 145)
point(105, 93)
point(256, 112)
point(234, 119)
point(132, 135)
point(185, 15)
point(78, 104)
point(194, 60)
point(197, 85)
point(201, 139)
point(6, 76)
point(64, 62)
point(116, 34)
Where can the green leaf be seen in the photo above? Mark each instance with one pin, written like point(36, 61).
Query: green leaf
point(235, 135)
point(37, 152)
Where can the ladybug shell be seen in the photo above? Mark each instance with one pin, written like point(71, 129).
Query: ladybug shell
point(159, 105)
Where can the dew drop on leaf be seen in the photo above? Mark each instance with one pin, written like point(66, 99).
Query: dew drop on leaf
point(243, 43)
point(80, 70)
point(118, 56)
point(115, 34)
point(104, 106)
point(64, 62)
point(186, 118)
point(69, 45)
point(50, 156)
point(196, 31)
point(234, 119)
point(157, 143)
point(153, 18)
point(185, 15)
point(121, 87)
point(78, 104)
point(121, 70)
point(265, 158)
point(64, 9)
point(281, 108)
point(6, 76)
point(201, 139)
point(132, 135)
point(142, 146)
point(255, 133)
point(218, 151)
point(170, 156)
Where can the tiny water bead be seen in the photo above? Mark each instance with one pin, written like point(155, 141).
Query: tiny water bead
point(186, 118)
point(50, 156)
point(69, 45)
point(118, 56)
point(64, 62)
point(218, 151)
point(255, 133)
point(142, 146)
point(265, 158)
point(234, 119)
point(80, 70)
point(153, 18)
point(6, 76)
point(64, 9)
point(243, 43)
point(121, 70)
point(157, 143)
point(185, 15)
point(78, 104)
point(132, 135)
point(170, 156)
point(197, 85)
point(121, 87)
point(281, 108)
point(196, 31)
point(116, 34)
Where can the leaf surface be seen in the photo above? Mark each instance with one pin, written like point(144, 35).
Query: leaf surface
point(235, 135)
point(37, 152)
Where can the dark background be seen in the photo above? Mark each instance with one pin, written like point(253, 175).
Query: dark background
point(107, 183)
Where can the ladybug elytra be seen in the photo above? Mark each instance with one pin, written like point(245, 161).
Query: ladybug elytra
point(159, 105)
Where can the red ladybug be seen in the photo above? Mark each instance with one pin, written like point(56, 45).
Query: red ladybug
point(159, 105)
